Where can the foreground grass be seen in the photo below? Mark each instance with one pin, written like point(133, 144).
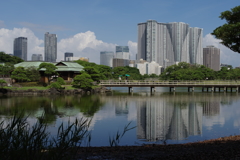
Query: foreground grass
point(20, 141)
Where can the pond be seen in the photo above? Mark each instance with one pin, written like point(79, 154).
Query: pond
point(159, 118)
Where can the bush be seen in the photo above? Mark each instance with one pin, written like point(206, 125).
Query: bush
point(55, 85)
point(61, 81)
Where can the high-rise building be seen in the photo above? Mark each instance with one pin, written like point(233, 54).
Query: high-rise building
point(119, 62)
point(50, 49)
point(169, 43)
point(106, 58)
point(122, 52)
point(20, 48)
point(67, 54)
point(37, 57)
point(211, 57)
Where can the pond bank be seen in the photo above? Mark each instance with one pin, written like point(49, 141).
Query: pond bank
point(221, 148)
point(34, 91)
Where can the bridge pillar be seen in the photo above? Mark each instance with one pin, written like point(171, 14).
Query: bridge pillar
point(224, 89)
point(152, 89)
point(130, 89)
point(212, 89)
point(170, 88)
point(192, 89)
point(236, 89)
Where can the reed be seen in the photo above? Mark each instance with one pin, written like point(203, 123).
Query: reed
point(19, 140)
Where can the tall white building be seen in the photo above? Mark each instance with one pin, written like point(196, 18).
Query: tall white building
point(122, 52)
point(106, 58)
point(50, 47)
point(148, 67)
point(169, 43)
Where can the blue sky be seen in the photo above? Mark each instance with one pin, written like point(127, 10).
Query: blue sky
point(86, 27)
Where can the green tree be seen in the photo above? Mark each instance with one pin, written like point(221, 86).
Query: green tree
point(33, 74)
point(50, 70)
point(6, 69)
point(20, 74)
point(55, 85)
point(229, 33)
point(7, 58)
point(61, 81)
point(1, 82)
point(83, 81)
point(94, 73)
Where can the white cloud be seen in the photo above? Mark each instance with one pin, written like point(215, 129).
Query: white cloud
point(132, 49)
point(226, 55)
point(84, 45)
point(7, 37)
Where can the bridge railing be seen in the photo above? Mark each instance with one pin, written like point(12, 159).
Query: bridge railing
point(161, 82)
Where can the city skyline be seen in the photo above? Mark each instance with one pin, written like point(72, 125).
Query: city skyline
point(169, 43)
point(86, 28)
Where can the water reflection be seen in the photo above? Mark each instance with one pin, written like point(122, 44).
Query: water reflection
point(158, 118)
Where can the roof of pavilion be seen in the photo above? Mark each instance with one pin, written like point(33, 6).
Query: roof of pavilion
point(61, 66)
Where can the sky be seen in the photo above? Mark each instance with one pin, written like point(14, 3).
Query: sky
point(87, 27)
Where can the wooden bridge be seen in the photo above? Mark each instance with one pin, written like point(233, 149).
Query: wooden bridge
point(213, 86)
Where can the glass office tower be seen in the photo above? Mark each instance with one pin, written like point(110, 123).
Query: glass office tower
point(50, 49)
point(20, 48)
point(106, 58)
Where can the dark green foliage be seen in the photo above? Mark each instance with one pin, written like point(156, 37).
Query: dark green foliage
point(33, 74)
point(1, 82)
point(229, 32)
point(94, 73)
point(20, 74)
point(83, 81)
point(20, 141)
point(61, 81)
point(55, 85)
point(86, 64)
point(6, 69)
point(7, 58)
point(186, 71)
point(50, 69)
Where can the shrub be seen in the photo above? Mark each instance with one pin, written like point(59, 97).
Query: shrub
point(61, 81)
point(55, 85)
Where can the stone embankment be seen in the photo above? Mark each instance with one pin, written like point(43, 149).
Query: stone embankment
point(34, 91)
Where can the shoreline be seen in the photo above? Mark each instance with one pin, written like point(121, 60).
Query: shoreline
point(220, 148)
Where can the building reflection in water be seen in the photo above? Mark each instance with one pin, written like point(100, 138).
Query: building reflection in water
point(161, 120)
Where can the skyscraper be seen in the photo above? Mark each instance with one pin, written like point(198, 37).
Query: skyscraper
point(67, 54)
point(122, 52)
point(211, 57)
point(20, 48)
point(37, 57)
point(106, 58)
point(169, 43)
point(50, 49)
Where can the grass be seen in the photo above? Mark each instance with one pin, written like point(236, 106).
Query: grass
point(20, 141)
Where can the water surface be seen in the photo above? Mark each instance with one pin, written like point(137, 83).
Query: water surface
point(159, 118)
